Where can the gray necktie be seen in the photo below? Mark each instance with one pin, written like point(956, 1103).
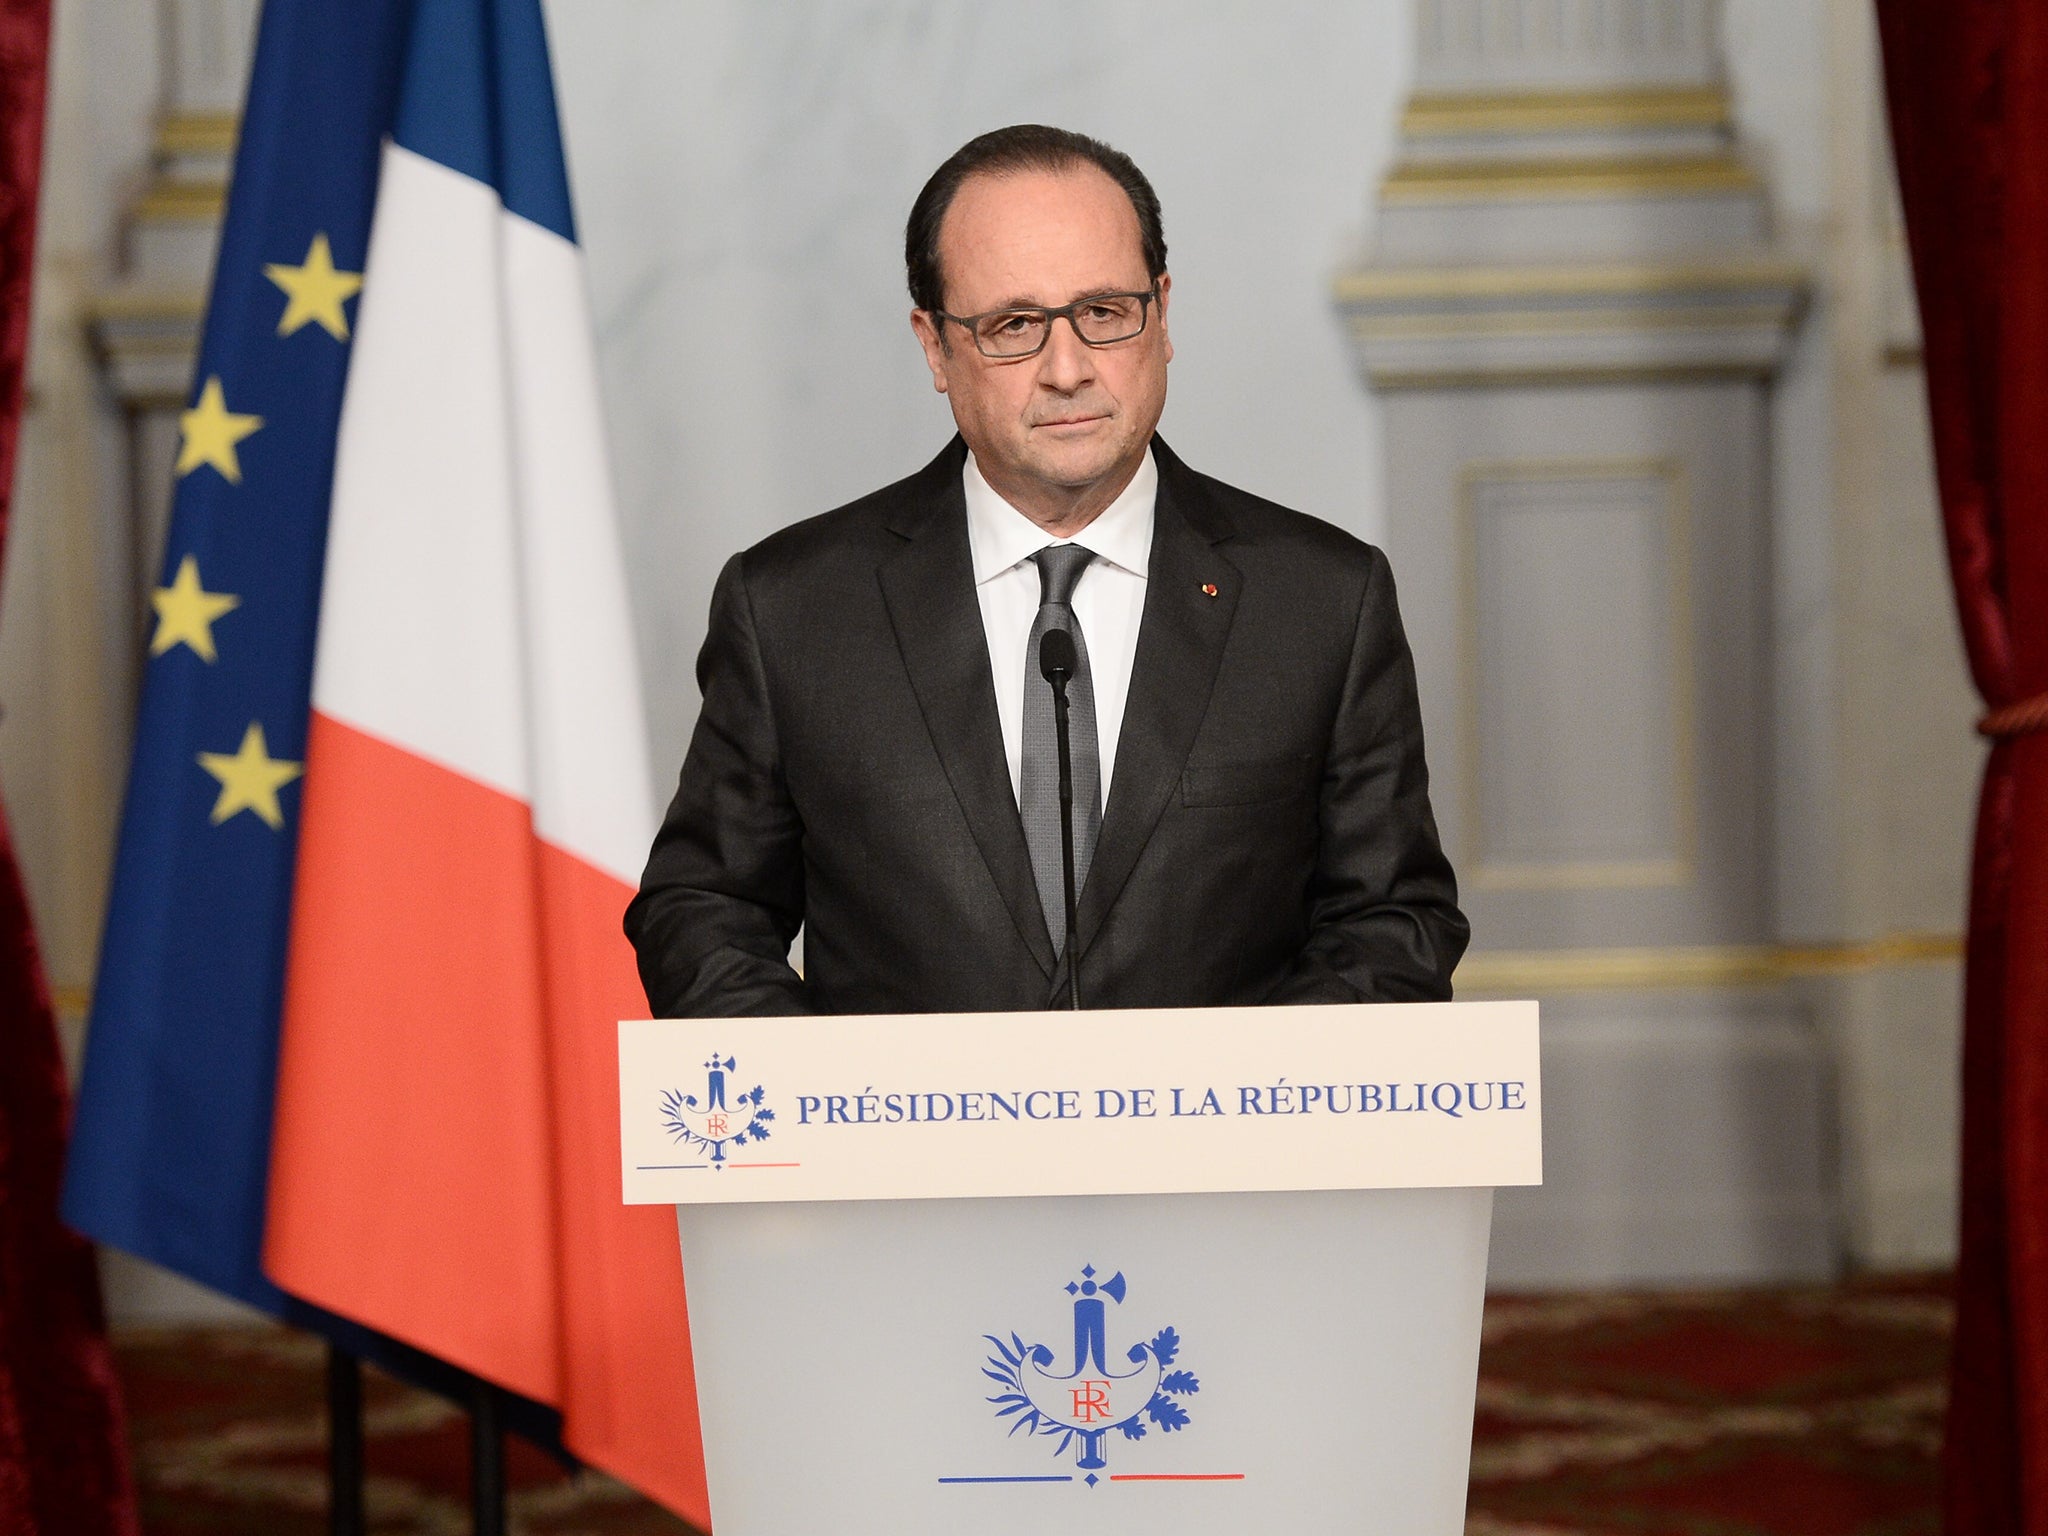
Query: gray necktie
point(1038, 797)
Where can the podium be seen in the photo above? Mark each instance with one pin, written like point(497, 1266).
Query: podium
point(1183, 1271)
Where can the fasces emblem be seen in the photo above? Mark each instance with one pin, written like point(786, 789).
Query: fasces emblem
point(721, 1117)
point(1095, 1396)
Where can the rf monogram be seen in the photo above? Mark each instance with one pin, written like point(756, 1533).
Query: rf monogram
point(1091, 1402)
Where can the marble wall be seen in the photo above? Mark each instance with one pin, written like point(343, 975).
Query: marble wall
point(741, 173)
point(69, 614)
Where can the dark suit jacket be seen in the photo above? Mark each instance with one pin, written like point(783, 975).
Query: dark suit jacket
point(1267, 839)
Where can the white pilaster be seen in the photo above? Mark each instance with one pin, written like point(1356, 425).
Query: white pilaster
point(1520, 45)
point(1573, 319)
point(146, 319)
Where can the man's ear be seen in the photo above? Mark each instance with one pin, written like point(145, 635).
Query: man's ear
point(932, 339)
point(1165, 288)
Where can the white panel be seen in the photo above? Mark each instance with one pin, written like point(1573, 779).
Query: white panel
point(1576, 582)
point(1334, 1339)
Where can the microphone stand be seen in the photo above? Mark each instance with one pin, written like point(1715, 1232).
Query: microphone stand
point(1057, 660)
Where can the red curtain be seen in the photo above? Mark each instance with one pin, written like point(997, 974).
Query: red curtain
point(63, 1457)
point(1968, 84)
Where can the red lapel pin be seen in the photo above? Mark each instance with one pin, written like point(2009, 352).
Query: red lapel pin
point(1208, 589)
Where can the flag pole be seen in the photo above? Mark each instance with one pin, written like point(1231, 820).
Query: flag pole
point(344, 1442)
point(486, 1462)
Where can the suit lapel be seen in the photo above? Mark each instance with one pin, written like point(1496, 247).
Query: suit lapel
point(929, 589)
point(1180, 646)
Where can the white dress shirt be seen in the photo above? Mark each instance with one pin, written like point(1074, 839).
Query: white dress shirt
point(1109, 602)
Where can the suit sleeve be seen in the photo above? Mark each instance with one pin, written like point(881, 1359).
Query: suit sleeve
point(1384, 924)
point(723, 894)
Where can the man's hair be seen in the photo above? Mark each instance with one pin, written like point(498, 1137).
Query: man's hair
point(1006, 152)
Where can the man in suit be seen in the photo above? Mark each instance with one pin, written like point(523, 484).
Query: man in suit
point(876, 759)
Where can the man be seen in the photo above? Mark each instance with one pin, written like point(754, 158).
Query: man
point(876, 757)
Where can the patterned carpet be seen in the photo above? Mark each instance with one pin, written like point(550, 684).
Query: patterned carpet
point(1806, 1413)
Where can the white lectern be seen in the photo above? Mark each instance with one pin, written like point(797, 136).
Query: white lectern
point(1175, 1271)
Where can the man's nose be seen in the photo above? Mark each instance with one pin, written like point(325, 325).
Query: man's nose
point(1067, 362)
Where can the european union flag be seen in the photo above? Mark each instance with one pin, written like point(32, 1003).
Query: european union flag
point(170, 1152)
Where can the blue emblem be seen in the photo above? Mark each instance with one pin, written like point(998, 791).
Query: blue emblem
point(710, 1124)
point(1083, 1400)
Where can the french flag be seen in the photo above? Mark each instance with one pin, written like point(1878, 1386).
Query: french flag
point(476, 803)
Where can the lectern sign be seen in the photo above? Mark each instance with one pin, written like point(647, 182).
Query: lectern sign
point(1057, 1103)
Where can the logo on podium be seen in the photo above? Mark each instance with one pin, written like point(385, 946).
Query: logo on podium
point(1084, 1399)
point(710, 1124)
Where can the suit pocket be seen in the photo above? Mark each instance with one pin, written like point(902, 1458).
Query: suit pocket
point(1250, 783)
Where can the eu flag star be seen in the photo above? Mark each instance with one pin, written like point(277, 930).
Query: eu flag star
point(185, 612)
point(250, 779)
point(210, 431)
point(315, 291)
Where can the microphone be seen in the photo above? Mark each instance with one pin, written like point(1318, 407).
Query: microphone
point(1058, 661)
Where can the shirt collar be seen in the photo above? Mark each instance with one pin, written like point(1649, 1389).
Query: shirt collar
point(1001, 538)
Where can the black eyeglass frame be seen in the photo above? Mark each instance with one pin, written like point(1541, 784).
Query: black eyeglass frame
point(1145, 299)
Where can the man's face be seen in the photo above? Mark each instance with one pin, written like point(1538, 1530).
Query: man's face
point(1058, 434)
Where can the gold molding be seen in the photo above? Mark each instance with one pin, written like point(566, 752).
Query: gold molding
point(199, 133)
point(1618, 280)
point(1434, 115)
point(151, 346)
point(1577, 970)
point(1678, 865)
point(1597, 176)
point(187, 202)
point(1575, 375)
point(1592, 970)
point(1550, 322)
point(1583, 875)
point(153, 306)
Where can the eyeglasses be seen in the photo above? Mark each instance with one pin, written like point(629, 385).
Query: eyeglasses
point(1013, 334)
